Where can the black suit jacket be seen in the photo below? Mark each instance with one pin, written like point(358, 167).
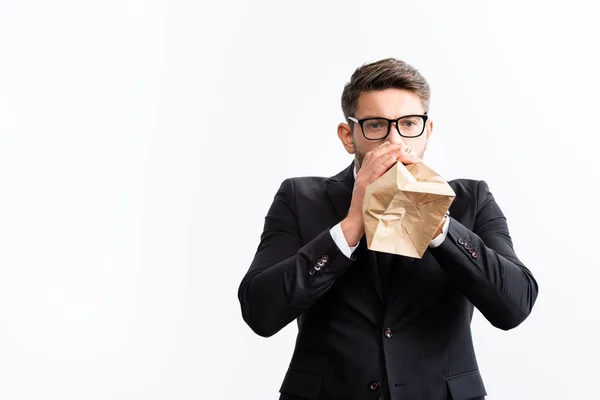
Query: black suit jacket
point(407, 336)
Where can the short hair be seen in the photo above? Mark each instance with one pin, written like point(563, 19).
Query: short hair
point(389, 73)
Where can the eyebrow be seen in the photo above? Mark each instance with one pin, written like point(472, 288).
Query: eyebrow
point(378, 116)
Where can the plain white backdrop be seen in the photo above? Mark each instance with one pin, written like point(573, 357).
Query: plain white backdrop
point(142, 142)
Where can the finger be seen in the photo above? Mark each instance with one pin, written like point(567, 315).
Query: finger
point(385, 148)
point(381, 166)
point(408, 159)
point(386, 157)
point(384, 162)
point(398, 150)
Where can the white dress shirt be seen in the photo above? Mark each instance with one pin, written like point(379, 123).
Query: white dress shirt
point(340, 240)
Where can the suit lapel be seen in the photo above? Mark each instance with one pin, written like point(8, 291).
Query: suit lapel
point(339, 189)
point(371, 267)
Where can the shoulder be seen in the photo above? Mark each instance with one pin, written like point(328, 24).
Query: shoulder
point(464, 186)
point(469, 187)
point(308, 183)
point(471, 194)
point(304, 187)
point(314, 191)
point(318, 184)
point(297, 190)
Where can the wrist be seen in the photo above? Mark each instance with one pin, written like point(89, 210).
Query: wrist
point(353, 230)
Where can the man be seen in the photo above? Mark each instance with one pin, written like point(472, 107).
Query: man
point(374, 325)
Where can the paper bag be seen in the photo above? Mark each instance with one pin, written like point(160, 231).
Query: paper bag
point(403, 209)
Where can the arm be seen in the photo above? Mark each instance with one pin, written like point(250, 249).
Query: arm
point(490, 274)
point(285, 278)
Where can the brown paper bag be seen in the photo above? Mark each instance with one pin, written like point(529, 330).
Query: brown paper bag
point(403, 209)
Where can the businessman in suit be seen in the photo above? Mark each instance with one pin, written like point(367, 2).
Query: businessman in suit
point(373, 325)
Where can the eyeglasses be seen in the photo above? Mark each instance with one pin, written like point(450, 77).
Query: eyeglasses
point(408, 126)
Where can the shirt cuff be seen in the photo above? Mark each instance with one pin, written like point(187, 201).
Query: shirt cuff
point(340, 240)
point(442, 236)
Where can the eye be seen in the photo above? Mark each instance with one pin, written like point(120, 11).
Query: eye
point(375, 124)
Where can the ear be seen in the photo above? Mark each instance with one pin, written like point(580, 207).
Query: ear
point(429, 129)
point(344, 132)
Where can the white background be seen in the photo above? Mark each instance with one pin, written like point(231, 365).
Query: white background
point(142, 142)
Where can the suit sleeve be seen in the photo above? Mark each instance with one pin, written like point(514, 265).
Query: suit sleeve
point(484, 265)
point(286, 277)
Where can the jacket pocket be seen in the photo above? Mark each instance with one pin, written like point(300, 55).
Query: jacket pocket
point(467, 386)
point(301, 384)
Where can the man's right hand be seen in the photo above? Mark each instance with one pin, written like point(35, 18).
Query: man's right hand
point(376, 163)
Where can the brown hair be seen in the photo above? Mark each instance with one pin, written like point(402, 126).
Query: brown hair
point(389, 73)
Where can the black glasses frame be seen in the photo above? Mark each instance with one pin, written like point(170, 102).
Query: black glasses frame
point(390, 121)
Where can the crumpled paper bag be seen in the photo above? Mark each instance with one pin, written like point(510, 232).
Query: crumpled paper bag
point(403, 209)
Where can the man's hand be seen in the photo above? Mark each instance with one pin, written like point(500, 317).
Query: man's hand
point(376, 163)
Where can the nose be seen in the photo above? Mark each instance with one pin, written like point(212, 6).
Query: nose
point(394, 136)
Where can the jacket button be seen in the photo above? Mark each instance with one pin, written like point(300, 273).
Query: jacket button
point(461, 241)
point(388, 333)
point(469, 247)
point(311, 272)
point(374, 385)
point(475, 254)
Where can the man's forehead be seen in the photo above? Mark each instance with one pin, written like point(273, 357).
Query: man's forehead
point(390, 103)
